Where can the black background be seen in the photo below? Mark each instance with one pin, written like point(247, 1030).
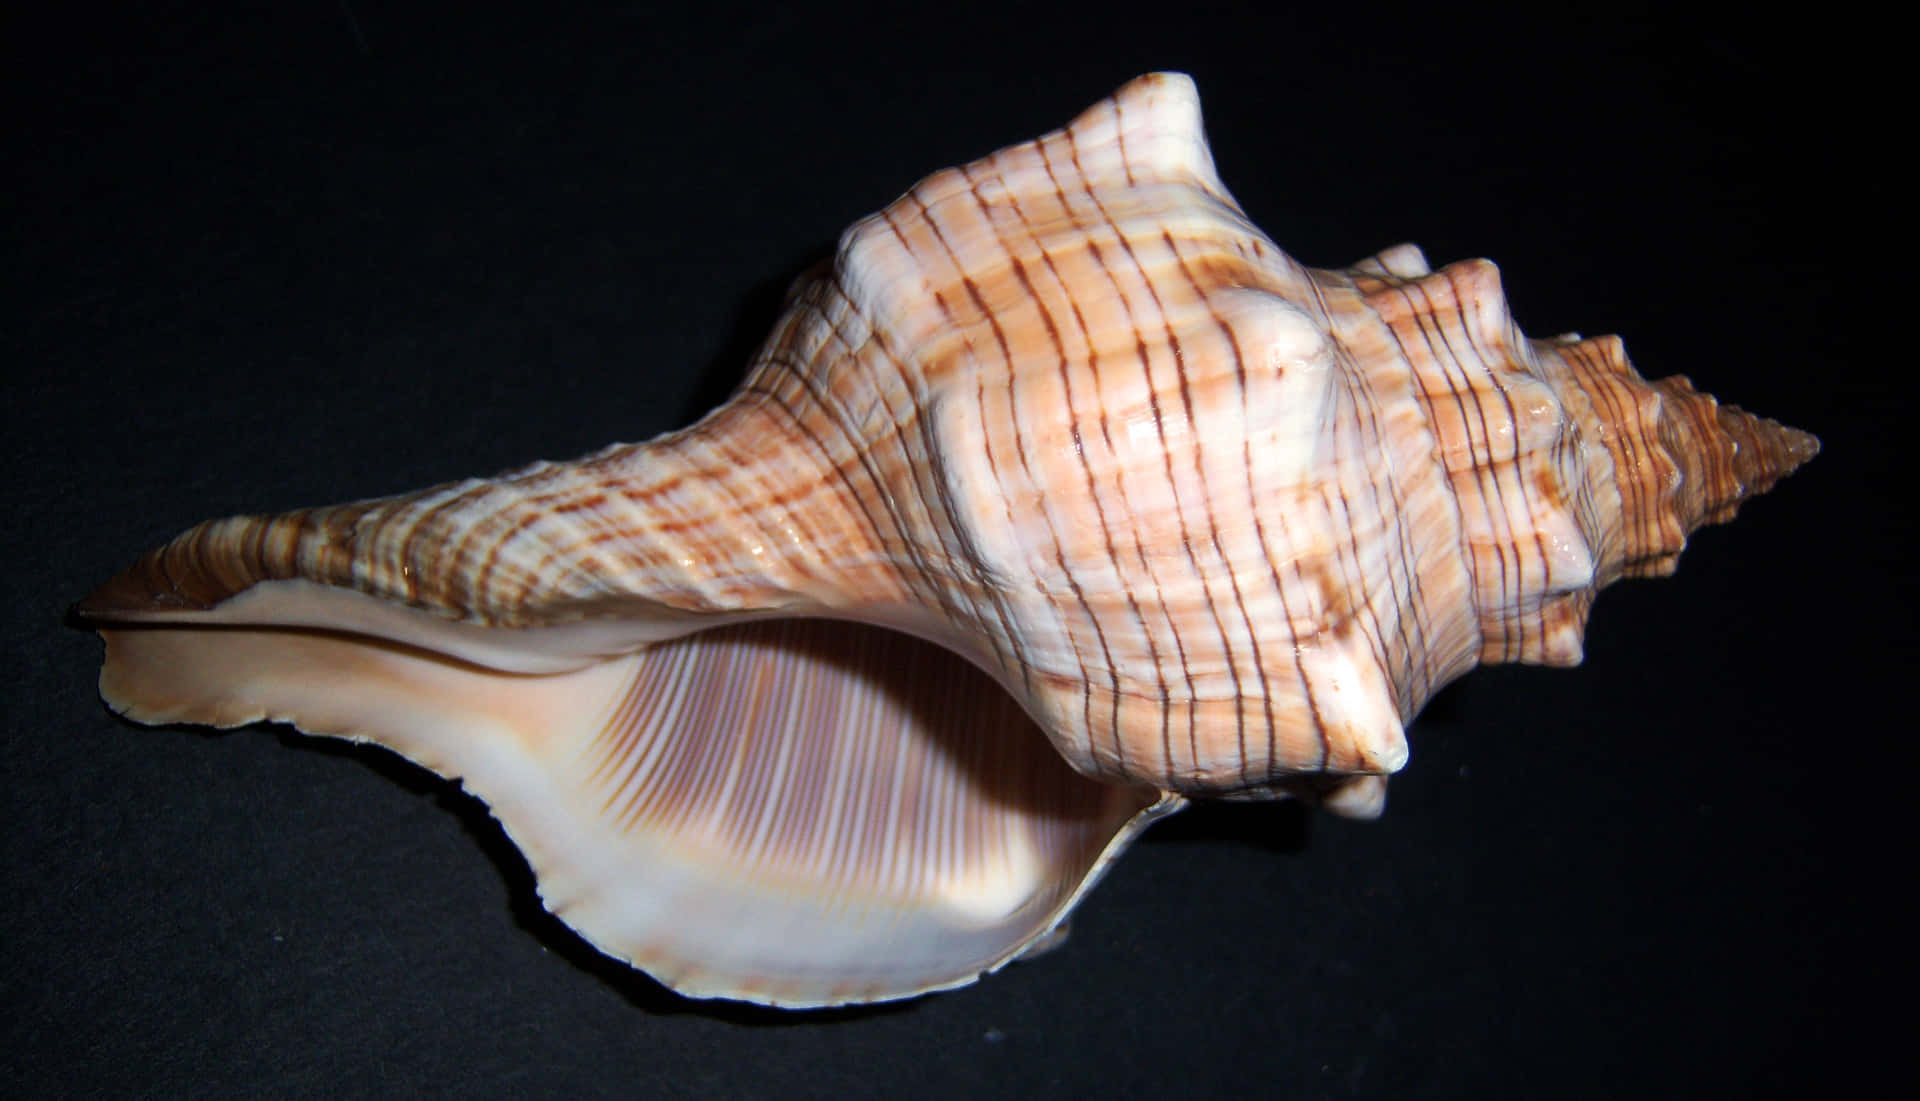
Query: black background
point(264, 256)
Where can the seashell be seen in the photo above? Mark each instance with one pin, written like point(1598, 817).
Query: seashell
point(1060, 497)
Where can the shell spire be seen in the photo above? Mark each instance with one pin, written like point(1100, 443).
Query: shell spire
point(1569, 468)
point(1677, 459)
point(1727, 454)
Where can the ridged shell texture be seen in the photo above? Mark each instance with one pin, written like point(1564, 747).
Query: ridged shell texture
point(1059, 497)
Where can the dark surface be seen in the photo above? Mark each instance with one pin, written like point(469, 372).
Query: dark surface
point(256, 261)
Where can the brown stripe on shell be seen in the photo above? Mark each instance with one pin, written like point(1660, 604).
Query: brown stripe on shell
point(1117, 745)
point(1030, 427)
point(1150, 636)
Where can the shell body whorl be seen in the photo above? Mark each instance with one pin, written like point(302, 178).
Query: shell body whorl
point(1216, 523)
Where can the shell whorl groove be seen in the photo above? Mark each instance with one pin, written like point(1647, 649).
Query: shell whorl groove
point(1217, 523)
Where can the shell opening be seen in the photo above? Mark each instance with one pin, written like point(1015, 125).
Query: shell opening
point(796, 811)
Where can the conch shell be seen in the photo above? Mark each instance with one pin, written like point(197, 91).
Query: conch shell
point(1059, 497)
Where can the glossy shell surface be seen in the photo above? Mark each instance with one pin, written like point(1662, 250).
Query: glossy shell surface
point(1061, 496)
